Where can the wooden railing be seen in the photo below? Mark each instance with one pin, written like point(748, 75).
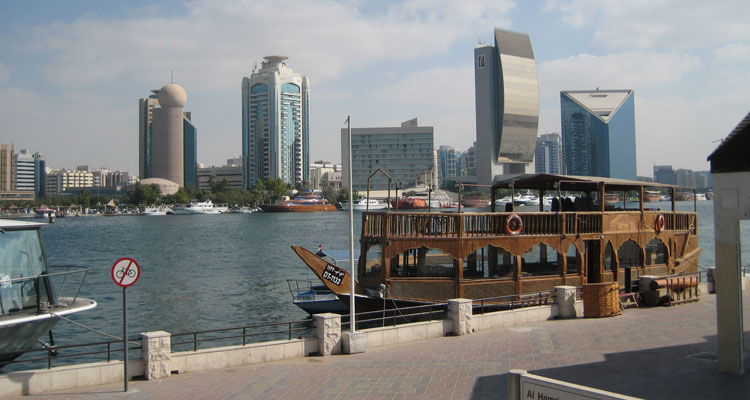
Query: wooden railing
point(468, 225)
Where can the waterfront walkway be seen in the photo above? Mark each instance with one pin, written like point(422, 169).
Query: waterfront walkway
point(653, 353)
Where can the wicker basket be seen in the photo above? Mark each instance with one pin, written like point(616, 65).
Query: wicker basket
point(601, 300)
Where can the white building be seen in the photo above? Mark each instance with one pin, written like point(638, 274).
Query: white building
point(25, 171)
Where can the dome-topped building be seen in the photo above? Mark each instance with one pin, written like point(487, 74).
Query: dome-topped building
point(172, 95)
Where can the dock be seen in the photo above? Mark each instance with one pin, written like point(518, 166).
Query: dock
point(651, 353)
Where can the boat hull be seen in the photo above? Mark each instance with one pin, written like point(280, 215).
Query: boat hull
point(298, 207)
point(22, 336)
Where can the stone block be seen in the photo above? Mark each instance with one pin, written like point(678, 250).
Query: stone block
point(88, 377)
point(256, 354)
point(311, 346)
point(420, 332)
point(405, 334)
point(565, 299)
point(179, 363)
point(275, 352)
point(12, 384)
point(353, 342)
point(294, 350)
point(236, 357)
point(328, 332)
point(435, 330)
point(156, 354)
point(390, 336)
point(196, 362)
point(460, 312)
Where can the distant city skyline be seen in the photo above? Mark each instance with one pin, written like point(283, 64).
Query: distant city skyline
point(69, 71)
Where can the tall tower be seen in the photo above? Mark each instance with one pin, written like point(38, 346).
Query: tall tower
point(598, 133)
point(507, 106)
point(275, 124)
point(548, 154)
point(145, 116)
point(167, 141)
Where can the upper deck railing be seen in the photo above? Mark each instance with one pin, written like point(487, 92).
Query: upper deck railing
point(473, 225)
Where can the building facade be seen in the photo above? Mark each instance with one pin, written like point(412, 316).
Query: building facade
point(664, 174)
point(598, 133)
point(275, 124)
point(548, 154)
point(232, 174)
point(6, 168)
point(24, 171)
point(167, 137)
point(507, 106)
point(448, 163)
point(40, 175)
point(61, 180)
point(406, 153)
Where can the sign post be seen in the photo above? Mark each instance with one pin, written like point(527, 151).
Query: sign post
point(125, 272)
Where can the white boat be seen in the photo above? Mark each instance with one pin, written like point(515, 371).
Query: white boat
point(31, 302)
point(529, 199)
point(503, 201)
point(200, 207)
point(152, 211)
point(242, 210)
point(700, 196)
point(365, 204)
point(547, 200)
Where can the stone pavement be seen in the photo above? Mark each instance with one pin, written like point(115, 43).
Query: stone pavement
point(653, 353)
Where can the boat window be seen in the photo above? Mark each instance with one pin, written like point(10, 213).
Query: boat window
point(540, 260)
point(609, 255)
point(629, 254)
point(21, 261)
point(572, 259)
point(373, 261)
point(488, 262)
point(423, 262)
point(656, 252)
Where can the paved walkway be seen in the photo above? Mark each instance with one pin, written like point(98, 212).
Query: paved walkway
point(654, 353)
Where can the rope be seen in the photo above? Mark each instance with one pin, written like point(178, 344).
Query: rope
point(89, 328)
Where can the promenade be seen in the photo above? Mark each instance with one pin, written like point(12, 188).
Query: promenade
point(653, 353)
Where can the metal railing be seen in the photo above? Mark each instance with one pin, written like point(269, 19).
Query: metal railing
point(401, 315)
point(231, 335)
point(59, 353)
point(40, 299)
point(512, 302)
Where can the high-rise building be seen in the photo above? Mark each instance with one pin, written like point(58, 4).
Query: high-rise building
point(548, 154)
point(275, 127)
point(168, 139)
point(598, 133)
point(664, 174)
point(469, 161)
point(24, 170)
point(449, 163)
point(406, 153)
point(6, 168)
point(145, 117)
point(507, 106)
point(40, 175)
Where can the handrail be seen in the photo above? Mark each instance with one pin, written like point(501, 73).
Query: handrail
point(54, 352)
point(38, 278)
point(244, 335)
point(515, 300)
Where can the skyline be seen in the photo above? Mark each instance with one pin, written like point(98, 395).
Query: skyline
point(71, 74)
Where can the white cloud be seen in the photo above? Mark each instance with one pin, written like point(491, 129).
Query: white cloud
point(733, 52)
point(663, 24)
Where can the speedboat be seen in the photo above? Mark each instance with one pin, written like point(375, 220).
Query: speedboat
point(31, 302)
point(152, 211)
point(200, 207)
point(365, 204)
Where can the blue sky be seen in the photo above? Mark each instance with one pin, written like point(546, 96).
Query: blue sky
point(71, 73)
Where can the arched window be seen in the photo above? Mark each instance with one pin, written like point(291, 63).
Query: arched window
point(608, 257)
point(423, 262)
point(489, 262)
point(630, 255)
point(572, 259)
point(656, 252)
point(539, 260)
point(259, 88)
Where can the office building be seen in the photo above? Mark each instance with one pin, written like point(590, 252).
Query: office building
point(40, 175)
point(548, 154)
point(24, 171)
point(275, 128)
point(6, 168)
point(322, 173)
point(62, 180)
point(448, 164)
point(469, 162)
point(664, 174)
point(507, 106)
point(598, 133)
point(231, 173)
point(406, 153)
point(168, 139)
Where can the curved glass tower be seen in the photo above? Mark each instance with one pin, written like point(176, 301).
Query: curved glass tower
point(275, 139)
point(507, 106)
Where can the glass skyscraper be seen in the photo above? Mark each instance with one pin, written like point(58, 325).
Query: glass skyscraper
point(275, 131)
point(548, 154)
point(449, 163)
point(598, 132)
point(507, 106)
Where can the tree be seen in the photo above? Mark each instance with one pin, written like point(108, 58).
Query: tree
point(143, 194)
point(84, 198)
point(276, 188)
point(328, 192)
point(258, 193)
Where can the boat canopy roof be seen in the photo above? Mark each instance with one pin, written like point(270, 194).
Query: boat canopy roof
point(15, 224)
point(575, 183)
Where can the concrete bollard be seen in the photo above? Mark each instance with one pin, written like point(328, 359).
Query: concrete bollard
point(353, 342)
point(459, 311)
point(328, 332)
point(565, 298)
point(156, 354)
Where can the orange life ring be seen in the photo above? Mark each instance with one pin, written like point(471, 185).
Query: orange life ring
point(517, 223)
point(659, 224)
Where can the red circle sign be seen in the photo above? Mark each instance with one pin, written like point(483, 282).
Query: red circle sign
point(125, 272)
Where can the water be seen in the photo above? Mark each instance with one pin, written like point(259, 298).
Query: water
point(213, 271)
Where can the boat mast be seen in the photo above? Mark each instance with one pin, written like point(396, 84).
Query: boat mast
point(352, 324)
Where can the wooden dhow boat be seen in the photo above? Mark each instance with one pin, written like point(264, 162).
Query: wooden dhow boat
point(410, 258)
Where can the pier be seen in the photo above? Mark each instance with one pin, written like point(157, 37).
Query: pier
point(653, 353)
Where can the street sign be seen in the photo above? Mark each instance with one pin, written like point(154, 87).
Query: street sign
point(125, 272)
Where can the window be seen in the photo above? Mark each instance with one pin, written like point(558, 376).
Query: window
point(423, 262)
point(373, 267)
point(539, 260)
point(629, 254)
point(489, 263)
point(572, 259)
point(656, 252)
point(608, 257)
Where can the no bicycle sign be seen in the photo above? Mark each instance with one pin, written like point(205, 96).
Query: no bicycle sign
point(125, 272)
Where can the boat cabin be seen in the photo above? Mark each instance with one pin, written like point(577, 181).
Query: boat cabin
point(581, 237)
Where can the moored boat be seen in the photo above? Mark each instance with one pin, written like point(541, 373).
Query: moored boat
point(418, 258)
point(31, 302)
point(475, 201)
point(304, 203)
point(364, 204)
point(200, 207)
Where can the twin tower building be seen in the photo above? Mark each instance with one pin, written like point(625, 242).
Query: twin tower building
point(275, 133)
point(598, 128)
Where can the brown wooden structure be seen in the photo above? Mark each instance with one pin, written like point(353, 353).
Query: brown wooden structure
point(421, 256)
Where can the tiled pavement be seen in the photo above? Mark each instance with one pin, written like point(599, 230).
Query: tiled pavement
point(654, 353)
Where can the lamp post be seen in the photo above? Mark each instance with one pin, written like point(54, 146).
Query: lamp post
point(429, 198)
